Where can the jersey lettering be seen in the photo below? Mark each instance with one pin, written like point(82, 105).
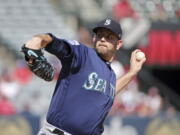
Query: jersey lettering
point(98, 84)
point(112, 91)
point(89, 84)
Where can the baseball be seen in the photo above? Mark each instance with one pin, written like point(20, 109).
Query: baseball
point(140, 55)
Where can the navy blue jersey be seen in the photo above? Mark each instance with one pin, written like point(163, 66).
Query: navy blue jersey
point(84, 91)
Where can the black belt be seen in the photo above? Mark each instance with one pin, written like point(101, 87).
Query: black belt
point(58, 131)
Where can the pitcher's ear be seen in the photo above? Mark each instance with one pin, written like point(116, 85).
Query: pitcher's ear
point(119, 44)
point(94, 38)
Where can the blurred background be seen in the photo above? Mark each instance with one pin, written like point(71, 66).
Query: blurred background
point(149, 105)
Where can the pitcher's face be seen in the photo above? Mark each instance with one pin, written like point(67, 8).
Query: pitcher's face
point(106, 43)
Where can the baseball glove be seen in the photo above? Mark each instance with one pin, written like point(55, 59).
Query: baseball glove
point(38, 64)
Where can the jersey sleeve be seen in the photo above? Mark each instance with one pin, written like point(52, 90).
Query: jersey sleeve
point(68, 51)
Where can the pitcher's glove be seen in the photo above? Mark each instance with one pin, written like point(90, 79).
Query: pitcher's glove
point(38, 64)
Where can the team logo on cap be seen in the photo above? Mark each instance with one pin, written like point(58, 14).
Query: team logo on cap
point(107, 22)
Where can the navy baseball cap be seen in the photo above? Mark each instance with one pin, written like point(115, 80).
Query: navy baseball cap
point(110, 24)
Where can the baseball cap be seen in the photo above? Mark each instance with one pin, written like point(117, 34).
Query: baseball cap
point(110, 24)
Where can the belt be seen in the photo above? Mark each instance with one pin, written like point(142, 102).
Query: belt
point(58, 131)
point(54, 129)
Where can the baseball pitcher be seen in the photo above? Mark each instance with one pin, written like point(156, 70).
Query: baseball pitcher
point(87, 85)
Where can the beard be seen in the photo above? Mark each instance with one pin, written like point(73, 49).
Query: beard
point(103, 51)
